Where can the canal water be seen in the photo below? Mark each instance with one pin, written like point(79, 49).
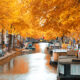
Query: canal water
point(33, 66)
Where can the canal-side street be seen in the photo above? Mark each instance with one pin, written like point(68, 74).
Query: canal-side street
point(33, 66)
point(39, 39)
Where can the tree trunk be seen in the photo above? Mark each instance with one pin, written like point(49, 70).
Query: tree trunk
point(2, 40)
point(13, 42)
point(10, 41)
point(20, 41)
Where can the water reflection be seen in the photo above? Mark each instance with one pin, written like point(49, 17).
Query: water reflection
point(32, 67)
point(20, 66)
point(43, 47)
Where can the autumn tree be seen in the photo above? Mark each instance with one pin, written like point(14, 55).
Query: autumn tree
point(43, 17)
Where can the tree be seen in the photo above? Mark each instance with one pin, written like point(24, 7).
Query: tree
point(53, 17)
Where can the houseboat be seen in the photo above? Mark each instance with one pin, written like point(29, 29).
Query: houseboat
point(68, 68)
point(55, 55)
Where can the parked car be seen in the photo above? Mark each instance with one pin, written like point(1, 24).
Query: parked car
point(2, 53)
point(42, 40)
point(30, 46)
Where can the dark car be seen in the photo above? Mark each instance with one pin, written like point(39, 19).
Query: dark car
point(30, 46)
point(2, 53)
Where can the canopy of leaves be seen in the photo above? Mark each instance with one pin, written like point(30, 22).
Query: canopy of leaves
point(37, 18)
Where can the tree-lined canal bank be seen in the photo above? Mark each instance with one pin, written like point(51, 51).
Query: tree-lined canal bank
point(33, 66)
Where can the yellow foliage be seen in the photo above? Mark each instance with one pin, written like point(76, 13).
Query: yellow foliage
point(35, 18)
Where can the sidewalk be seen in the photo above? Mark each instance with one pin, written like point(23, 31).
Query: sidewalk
point(9, 55)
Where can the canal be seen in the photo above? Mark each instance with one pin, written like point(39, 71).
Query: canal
point(33, 66)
